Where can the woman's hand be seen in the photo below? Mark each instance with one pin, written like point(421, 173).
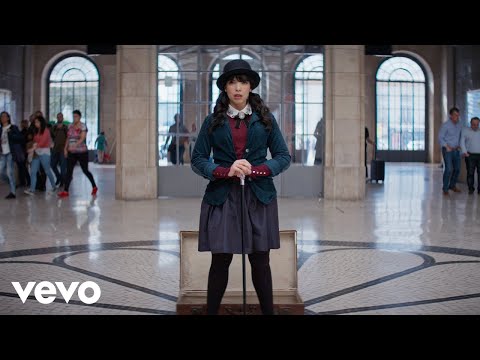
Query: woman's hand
point(240, 167)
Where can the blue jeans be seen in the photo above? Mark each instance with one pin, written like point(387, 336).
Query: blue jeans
point(59, 157)
point(6, 170)
point(451, 169)
point(45, 161)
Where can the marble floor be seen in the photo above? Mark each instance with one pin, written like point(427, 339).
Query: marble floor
point(406, 249)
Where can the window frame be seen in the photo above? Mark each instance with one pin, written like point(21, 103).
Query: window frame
point(303, 162)
point(50, 70)
point(425, 99)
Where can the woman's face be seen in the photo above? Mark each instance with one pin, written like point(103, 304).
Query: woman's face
point(76, 118)
point(37, 123)
point(4, 119)
point(237, 93)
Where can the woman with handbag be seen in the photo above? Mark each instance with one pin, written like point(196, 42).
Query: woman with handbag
point(239, 132)
point(41, 155)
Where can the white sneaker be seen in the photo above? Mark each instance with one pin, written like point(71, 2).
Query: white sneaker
point(28, 192)
point(53, 190)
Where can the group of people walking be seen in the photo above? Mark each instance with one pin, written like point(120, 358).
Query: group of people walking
point(43, 148)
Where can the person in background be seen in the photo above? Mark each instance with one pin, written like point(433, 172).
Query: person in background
point(371, 142)
point(449, 139)
point(10, 150)
point(41, 181)
point(76, 150)
point(59, 134)
point(23, 174)
point(174, 130)
point(319, 132)
point(101, 144)
point(41, 148)
point(470, 144)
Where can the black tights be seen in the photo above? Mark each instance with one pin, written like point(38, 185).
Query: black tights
point(261, 278)
point(72, 159)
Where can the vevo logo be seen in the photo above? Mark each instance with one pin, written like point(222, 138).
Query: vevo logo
point(47, 288)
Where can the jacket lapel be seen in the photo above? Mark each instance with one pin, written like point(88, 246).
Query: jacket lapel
point(255, 118)
point(231, 148)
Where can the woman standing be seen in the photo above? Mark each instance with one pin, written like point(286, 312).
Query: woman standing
point(41, 155)
point(76, 150)
point(10, 151)
point(239, 131)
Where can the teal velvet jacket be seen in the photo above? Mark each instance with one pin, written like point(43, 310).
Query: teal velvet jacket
point(259, 139)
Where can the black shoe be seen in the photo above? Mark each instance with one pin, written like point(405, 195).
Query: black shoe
point(470, 192)
point(10, 196)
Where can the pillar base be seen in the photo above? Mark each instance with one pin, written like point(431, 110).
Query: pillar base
point(344, 183)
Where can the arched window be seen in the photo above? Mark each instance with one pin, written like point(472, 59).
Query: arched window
point(169, 104)
point(308, 125)
point(218, 67)
point(6, 101)
point(401, 105)
point(73, 84)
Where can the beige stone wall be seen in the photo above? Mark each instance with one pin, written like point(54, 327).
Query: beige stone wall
point(136, 122)
point(43, 56)
point(344, 122)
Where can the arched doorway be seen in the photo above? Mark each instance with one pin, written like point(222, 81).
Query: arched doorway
point(73, 84)
point(401, 110)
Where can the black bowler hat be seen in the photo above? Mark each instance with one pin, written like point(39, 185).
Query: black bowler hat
point(238, 67)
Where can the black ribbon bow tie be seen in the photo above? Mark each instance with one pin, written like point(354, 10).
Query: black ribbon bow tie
point(238, 120)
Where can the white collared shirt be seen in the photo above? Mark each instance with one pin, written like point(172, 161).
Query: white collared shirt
point(232, 112)
point(470, 141)
point(5, 143)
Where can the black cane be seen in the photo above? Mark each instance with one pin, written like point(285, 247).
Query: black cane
point(242, 222)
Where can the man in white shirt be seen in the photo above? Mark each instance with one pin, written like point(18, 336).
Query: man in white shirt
point(470, 144)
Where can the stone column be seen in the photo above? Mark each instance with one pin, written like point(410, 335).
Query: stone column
point(136, 122)
point(345, 122)
point(27, 82)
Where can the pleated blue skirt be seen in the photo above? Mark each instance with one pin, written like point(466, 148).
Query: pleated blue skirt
point(220, 225)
